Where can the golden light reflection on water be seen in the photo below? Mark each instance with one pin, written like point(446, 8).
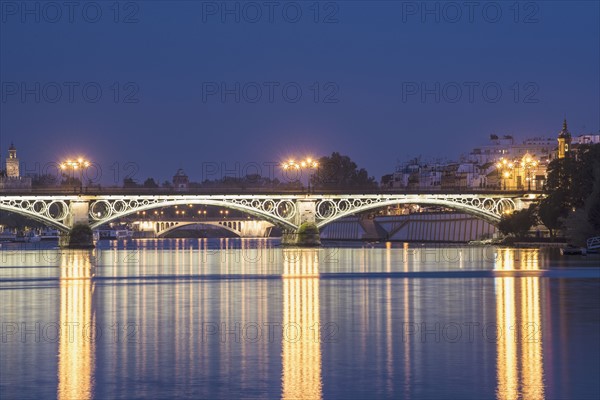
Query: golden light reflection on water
point(389, 333)
point(301, 348)
point(406, 317)
point(76, 345)
point(520, 370)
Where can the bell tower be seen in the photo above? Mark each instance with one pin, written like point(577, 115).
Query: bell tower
point(564, 141)
point(12, 163)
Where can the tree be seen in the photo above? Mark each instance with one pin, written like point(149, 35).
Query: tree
point(340, 172)
point(308, 235)
point(561, 173)
point(518, 223)
point(587, 173)
point(45, 180)
point(574, 175)
point(552, 210)
point(70, 181)
point(577, 227)
point(584, 222)
point(573, 188)
point(593, 210)
point(150, 183)
point(129, 183)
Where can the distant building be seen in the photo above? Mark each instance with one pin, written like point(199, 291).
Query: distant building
point(450, 179)
point(471, 175)
point(587, 139)
point(180, 180)
point(12, 163)
point(537, 147)
point(564, 142)
point(13, 178)
point(528, 160)
point(526, 166)
point(416, 175)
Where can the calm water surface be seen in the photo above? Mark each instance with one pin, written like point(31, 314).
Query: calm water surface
point(238, 318)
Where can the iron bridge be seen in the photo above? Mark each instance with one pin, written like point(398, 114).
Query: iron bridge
point(285, 211)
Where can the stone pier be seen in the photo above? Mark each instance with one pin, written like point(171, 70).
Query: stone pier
point(80, 235)
point(307, 234)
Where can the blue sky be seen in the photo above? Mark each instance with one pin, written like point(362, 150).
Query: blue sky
point(152, 86)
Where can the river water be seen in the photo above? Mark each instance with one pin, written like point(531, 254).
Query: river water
point(241, 318)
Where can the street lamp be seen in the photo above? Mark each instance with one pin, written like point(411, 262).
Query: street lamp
point(78, 164)
point(302, 164)
point(528, 163)
point(505, 167)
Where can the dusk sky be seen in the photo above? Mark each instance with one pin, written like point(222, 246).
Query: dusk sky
point(180, 81)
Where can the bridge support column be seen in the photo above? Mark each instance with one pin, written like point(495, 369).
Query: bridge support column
point(307, 233)
point(80, 235)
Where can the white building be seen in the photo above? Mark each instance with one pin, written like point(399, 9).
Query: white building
point(506, 147)
point(501, 163)
point(587, 139)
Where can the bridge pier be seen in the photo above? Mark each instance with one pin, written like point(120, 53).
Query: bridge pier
point(307, 234)
point(80, 235)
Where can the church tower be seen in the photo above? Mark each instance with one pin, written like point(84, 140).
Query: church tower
point(12, 163)
point(564, 141)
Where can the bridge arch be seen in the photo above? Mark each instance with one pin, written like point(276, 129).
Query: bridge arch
point(43, 217)
point(178, 225)
point(489, 210)
point(120, 208)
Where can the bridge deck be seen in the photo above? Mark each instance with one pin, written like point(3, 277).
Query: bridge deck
point(105, 191)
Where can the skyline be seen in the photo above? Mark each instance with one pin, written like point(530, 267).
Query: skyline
point(188, 84)
point(115, 173)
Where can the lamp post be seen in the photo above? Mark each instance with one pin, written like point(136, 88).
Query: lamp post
point(528, 163)
point(300, 165)
point(505, 167)
point(311, 164)
point(78, 164)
